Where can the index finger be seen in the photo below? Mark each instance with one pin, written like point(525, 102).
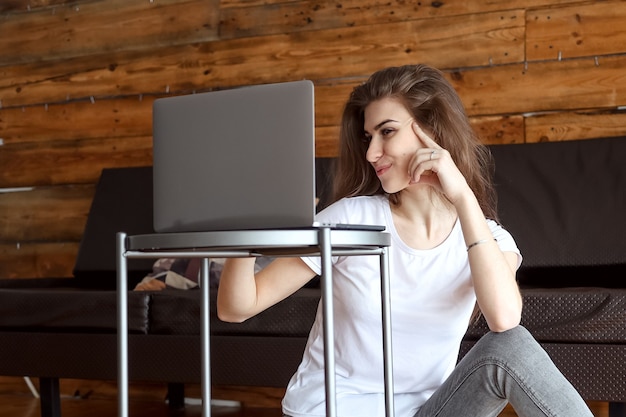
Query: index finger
point(427, 140)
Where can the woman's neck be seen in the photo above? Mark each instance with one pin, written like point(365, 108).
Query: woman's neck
point(423, 218)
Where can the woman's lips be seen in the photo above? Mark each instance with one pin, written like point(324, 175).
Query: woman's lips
point(380, 170)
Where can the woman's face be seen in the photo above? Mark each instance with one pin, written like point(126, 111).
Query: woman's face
point(392, 142)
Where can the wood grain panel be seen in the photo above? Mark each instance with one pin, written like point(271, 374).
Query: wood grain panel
point(112, 25)
point(70, 162)
point(327, 141)
point(136, 151)
point(498, 130)
point(248, 18)
point(590, 29)
point(438, 8)
point(248, 3)
point(512, 89)
point(491, 130)
point(330, 99)
point(575, 125)
point(543, 86)
point(16, 6)
point(449, 42)
point(118, 118)
point(75, 120)
point(32, 259)
point(55, 214)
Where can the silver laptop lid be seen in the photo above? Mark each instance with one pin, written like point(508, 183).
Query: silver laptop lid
point(235, 159)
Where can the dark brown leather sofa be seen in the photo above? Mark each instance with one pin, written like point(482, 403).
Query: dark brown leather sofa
point(564, 202)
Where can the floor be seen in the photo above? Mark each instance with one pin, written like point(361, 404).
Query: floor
point(80, 398)
point(98, 399)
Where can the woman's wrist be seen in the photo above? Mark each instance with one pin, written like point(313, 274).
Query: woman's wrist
point(466, 202)
point(472, 219)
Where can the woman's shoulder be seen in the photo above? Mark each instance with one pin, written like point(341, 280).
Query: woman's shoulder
point(505, 239)
point(355, 209)
point(365, 201)
point(496, 228)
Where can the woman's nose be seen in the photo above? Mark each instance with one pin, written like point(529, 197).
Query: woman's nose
point(374, 151)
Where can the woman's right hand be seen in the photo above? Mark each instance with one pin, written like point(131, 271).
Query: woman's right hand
point(242, 294)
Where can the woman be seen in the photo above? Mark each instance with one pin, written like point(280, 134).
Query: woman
point(410, 160)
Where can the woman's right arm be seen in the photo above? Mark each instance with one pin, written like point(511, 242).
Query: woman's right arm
point(243, 294)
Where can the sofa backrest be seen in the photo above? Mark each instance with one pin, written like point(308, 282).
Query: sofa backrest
point(564, 202)
point(122, 203)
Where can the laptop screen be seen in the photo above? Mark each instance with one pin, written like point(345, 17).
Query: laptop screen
point(235, 159)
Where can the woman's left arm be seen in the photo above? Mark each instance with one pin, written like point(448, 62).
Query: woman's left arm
point(493, 271)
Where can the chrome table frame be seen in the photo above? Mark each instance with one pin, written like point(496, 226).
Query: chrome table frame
point(324, 242)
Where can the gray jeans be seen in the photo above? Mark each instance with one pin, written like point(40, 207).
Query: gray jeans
point(508, 367)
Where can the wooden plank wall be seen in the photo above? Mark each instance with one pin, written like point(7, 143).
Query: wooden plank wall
point(77, 81)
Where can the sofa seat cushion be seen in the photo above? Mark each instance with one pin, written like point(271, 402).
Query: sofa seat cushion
point(563, 315)
point(572, 315)
point(178, 312)
point(69, 310)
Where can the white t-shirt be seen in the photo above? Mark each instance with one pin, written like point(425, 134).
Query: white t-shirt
point(432, 299)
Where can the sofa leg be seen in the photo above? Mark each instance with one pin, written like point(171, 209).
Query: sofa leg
point(617, 409)
point(176, 395)
point(49, 397)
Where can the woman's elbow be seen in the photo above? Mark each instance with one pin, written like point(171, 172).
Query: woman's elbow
point(505, 322)
point(230, 315)
point(504, 317)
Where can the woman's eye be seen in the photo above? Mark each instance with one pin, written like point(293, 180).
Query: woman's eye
point(367, 138)
point(386, 132)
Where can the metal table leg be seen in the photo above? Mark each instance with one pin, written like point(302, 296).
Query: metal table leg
point(329, 336)
point(329, 325)
point(205, 335)
point(122, 326)
point(387, 346)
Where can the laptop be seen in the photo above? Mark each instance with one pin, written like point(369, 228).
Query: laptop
point(237, 159)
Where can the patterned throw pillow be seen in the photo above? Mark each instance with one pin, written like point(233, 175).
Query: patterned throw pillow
point(184, 273)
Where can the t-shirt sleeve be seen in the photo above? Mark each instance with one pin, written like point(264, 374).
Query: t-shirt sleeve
point(333, 214)
point(505, 240)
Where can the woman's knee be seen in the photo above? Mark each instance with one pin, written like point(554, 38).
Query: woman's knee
point(512, 337)
point(509, 345)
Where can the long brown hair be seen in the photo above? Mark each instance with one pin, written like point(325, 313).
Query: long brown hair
point(435, 106)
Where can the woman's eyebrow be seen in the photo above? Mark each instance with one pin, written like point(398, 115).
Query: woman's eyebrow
point(381, 124)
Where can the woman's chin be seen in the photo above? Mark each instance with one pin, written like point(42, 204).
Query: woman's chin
point(395, 188)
